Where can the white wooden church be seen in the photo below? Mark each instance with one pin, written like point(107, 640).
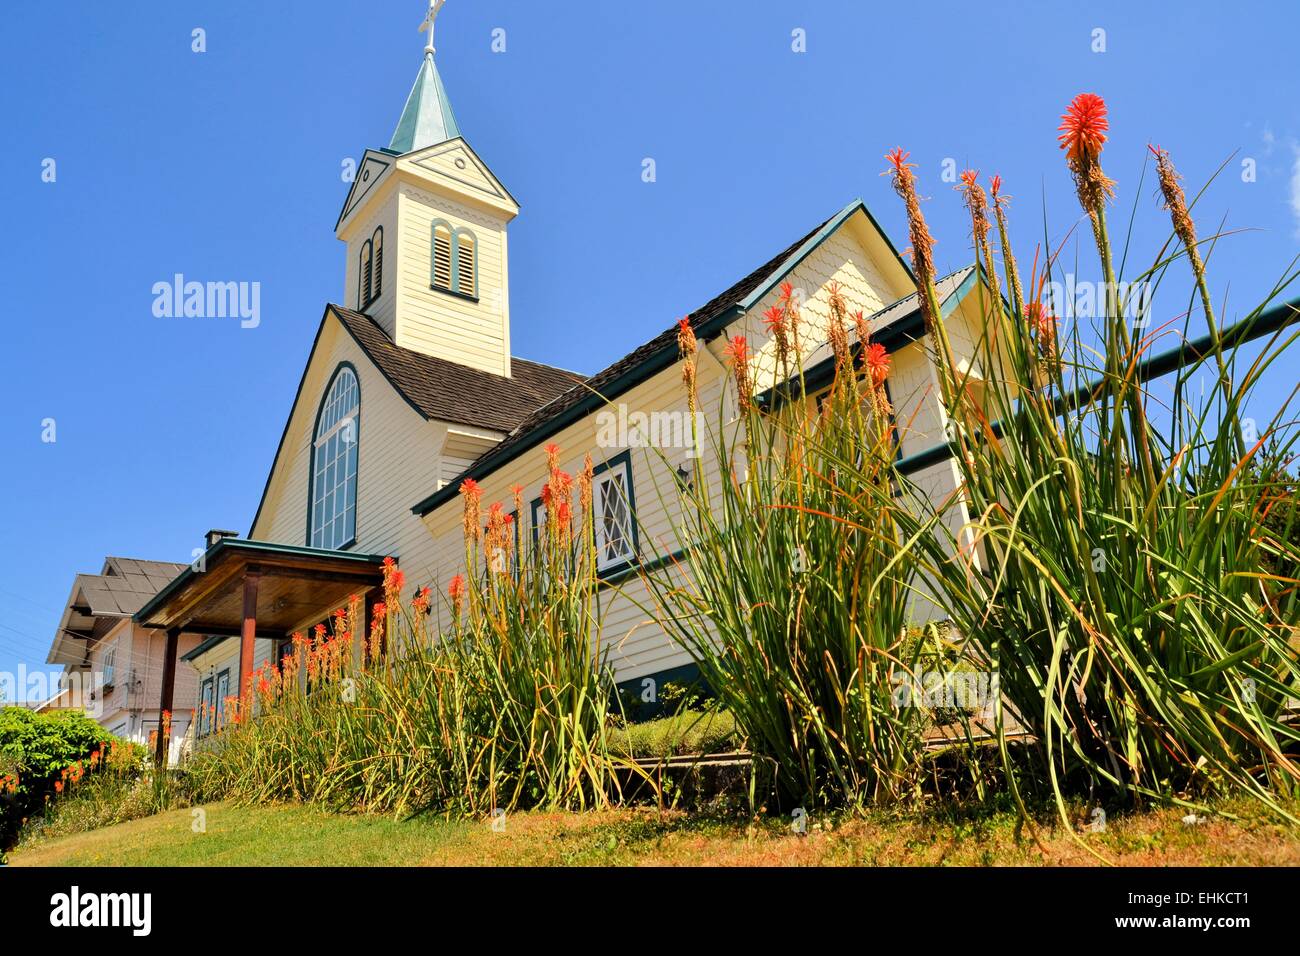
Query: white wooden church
point(410, 386)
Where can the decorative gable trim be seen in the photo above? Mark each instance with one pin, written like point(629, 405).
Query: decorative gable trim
point(373, 167)
point(465, 160)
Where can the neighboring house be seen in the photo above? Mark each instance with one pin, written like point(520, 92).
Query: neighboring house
point(113, 666)
point(410, 387)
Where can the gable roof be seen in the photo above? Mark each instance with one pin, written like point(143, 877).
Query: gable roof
point(446, 391)
point(660, 352)
point(896, 325)
point(437, 389)
point(98, 601)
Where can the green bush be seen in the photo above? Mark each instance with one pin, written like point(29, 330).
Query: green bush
point(35, 750)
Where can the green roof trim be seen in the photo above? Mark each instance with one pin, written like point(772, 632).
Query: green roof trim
point(203, 647)
point(427, 119)
point(254, 548)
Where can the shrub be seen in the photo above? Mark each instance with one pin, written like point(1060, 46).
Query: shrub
point(39, 755)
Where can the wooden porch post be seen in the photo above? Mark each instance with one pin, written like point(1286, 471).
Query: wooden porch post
point(168, 692)
point(247, 634)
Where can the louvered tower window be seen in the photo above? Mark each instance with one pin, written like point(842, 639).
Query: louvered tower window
point(364, 270)
point(465, 264)
point(378, 241)
point(442, 256)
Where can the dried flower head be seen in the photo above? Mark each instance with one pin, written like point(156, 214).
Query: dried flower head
point(922, 243)
point(686, 346)
point(835, 331)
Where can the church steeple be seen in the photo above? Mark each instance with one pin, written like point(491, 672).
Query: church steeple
point(425, 225)
point(427, 119)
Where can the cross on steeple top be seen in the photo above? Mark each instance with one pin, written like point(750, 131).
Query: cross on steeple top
point(427, 25)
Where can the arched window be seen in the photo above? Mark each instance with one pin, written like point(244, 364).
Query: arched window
point(454, 260)
point(332, 512)
point(364, 270)
point(377, 240)
point(466, 265)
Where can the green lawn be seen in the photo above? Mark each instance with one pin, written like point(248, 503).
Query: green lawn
point(297, 835)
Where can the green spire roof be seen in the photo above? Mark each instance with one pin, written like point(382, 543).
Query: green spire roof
point(427, 118)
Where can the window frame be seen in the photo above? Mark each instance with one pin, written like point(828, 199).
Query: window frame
point(315, 449)
point(208, 713)
point(623, 463)
point(454, 234)
point(365, 270)
point(108, 666)
point(218, 698)
point(377, 272)
point(473, 263)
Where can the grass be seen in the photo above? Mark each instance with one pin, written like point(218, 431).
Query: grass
point(299, 835)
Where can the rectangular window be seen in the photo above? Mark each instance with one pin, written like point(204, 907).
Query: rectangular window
point(613, 513)
point(222, 692)
point(109, 665)
point(205, 708)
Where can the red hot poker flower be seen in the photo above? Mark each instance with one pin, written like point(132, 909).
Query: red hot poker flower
point(737, 350)
point(1083, 127)
point(877, 362)
point(774, 319)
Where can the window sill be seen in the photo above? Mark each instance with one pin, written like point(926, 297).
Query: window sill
point(616, 573)
point(454, 294)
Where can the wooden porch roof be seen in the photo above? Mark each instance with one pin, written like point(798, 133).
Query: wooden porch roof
point(297, 585)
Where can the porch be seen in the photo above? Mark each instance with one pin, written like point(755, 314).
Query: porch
point(250, 590)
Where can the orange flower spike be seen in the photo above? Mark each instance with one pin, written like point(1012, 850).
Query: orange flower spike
point(686, 347)
point(552, 456)
point(876, 359)
point(686, 343)
point(1083, 132)
point(456, 592)
point(737, 353)
point(1083, 127)
point(472, 495)
point(774, 320)
point(517, 492)
point(584, 483)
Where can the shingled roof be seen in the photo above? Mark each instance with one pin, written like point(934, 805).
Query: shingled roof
point(450, 392)
point(99, 601)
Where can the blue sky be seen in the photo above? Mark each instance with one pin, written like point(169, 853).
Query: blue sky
point(225, 165)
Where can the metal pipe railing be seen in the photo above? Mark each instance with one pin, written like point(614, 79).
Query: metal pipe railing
point(1189, 352)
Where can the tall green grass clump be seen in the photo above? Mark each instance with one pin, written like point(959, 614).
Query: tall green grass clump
point(798, 571)
point(1127, 585)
